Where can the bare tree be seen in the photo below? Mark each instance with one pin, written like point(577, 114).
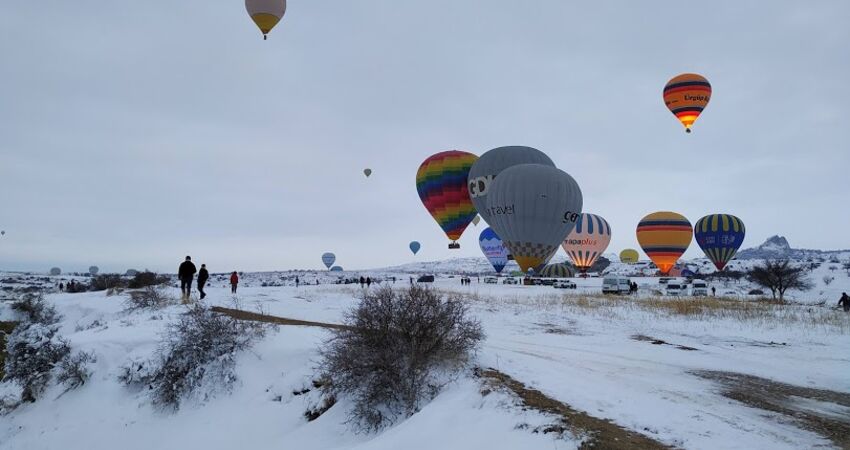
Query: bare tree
point(779, 276)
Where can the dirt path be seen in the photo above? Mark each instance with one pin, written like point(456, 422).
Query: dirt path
point(821, 411)
point(598, 433)
point(256, 317)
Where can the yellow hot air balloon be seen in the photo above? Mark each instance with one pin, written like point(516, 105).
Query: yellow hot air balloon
point(686, 96)
point(629, 256)
point(266, 13)
point(664, 236)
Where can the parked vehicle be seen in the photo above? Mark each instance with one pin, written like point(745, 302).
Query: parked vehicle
point(664, 280)
point(491, 280)
point(510, 281)
point(699, 287)
point(546, 281)
point(425, 279)
point(676, 288)
point(564, 284)
point(616, 285)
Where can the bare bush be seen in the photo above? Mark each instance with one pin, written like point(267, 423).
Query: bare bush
point(195, 358)
point(147, 278)
point(74, 371)
point(106, 281)
point(396, 351)
point(148, 298)
point(34, 310)
point(33, 351)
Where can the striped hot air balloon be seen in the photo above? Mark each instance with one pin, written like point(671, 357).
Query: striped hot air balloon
point(686, 96)
point(664, 236)
point(442, 185)
point(719, 236)
point(556, 270)
point(587, 241)
point(629, 256)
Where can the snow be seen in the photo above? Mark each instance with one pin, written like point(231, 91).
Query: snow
point(583, 355)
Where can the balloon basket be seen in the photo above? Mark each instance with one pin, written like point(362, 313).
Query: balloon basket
point(454, 245)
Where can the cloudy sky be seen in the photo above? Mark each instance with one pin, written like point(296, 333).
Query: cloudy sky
point(134, 133)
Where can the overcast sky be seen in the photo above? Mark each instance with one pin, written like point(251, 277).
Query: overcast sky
point(135, 133)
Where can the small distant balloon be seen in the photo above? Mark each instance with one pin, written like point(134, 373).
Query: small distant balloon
point(328, 259)
point(266, 13)
point(93, 270)
point(415, 246)
point(686, 96)
point(3, 233)
point(629, 256)
point(367, 172)
point(336, 269)
point(131, 272)
point(55, 271)
point(476, 220)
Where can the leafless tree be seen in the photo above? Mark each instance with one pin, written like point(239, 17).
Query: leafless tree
point(779, 276)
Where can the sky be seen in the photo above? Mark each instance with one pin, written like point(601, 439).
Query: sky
point(135, 133)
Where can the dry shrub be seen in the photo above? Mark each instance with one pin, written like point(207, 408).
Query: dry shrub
point(148, 298)
point(398, 351)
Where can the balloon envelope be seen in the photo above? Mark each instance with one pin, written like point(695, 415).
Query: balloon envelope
point(533, 208)
point(55, 271)
point(414, 247)
point(367, 172)
point(664, 236)
point(557, 270)
point(94, 270)
point(494, 249)
point(441, 184)
point(336, 269)
point(491, 164)
point(719, 236)
point(265, 13)
point(328, 259)
point(629, 256)
point(686, 96)
point(588, 240)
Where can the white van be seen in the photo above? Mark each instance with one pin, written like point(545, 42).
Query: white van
point(675, 288)
point(699, 287)
point(616, 285)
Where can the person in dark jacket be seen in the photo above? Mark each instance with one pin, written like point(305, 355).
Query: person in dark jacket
point(234, 281)
point(362, 281)
point(185, 273)
point(368, 281)
point(844, 302)
point(203, 276)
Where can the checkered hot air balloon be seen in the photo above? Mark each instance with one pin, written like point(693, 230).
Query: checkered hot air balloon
point(441, 183)
point(719, 236)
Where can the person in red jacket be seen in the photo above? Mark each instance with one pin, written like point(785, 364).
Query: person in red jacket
point(234, 280)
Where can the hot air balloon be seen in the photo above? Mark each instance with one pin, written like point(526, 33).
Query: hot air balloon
point(664, 236)
point(266, 13)
point(336, 269)
point(3, 233)
point(367, 172)
point(328, 259)
point(93, 270)
point(629, 256)
point(55, 271)
point(719, 236)
point(415, 246)
point(587, 241)
point(533, 207)
point(493, 162)
point(441, 183)
point(556, 270)
point(686, 96)
point(476, 220)
point(493, 248)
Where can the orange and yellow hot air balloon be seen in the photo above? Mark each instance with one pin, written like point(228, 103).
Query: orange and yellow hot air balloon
point(664, 236)
point(686, 96)
point(266, 13)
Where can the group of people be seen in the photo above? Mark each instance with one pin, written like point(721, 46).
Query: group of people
point(465, 281)
point(186, 274)
point(365, 282)
point(72, 286)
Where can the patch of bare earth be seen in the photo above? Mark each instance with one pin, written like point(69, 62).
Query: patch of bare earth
point(819, 410)
point(257, 317)
point(654, 341)
point(596, 433)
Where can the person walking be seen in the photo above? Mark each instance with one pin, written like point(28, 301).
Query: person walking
point(713, 291)
point(297, 281)
point(234, 281)
point(185, 273)
point(368, 282)
point(61, 287)
point(844, 302)
point(362, 281)
point(203, 276)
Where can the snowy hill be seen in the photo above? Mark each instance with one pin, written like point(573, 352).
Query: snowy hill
point(777, 247)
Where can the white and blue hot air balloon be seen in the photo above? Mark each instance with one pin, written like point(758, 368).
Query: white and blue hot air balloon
point(328, 259)
point(493, 248)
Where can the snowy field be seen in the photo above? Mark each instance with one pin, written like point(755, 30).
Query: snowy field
point(650, 365)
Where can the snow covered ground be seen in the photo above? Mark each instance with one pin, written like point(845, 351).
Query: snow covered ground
point(593, 353)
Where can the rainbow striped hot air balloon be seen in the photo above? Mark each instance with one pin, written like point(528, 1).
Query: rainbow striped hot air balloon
point(587, 241)
point(686, 96)
point(442, 185)
point(719, 236)
point(664, 236)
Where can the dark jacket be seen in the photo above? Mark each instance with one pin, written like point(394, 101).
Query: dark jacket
point(203, 275)
point(234, 279)
point(186, 270)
